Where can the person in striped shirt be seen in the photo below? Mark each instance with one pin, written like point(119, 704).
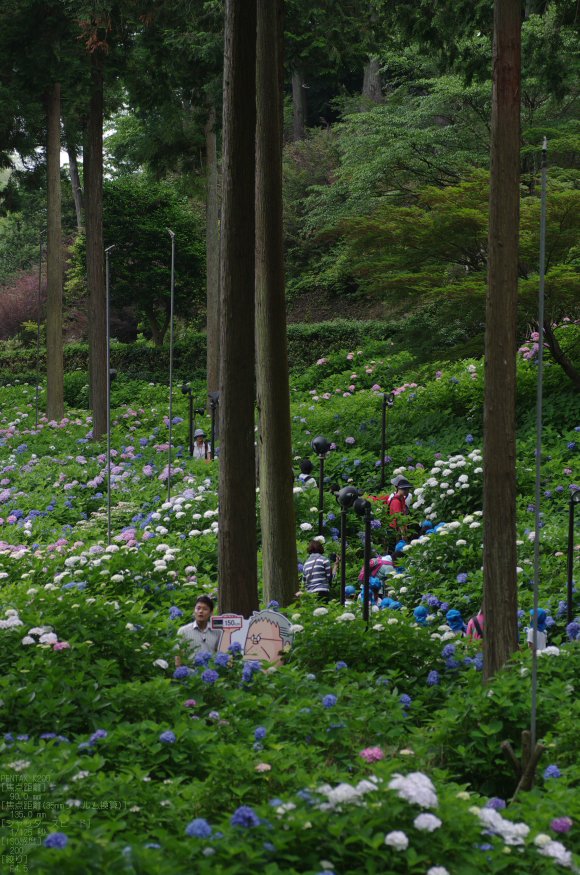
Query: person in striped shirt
point(317, 573)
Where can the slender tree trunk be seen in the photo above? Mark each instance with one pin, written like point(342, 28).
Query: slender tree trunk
point(559, 355)
point(158, 334)
point(500, 588)
point(238, 572)
point(372, 84)
point(300, 104)
point(277, 515)
point(212, 238)
point(97, 303)
point(75, 182)
point(54, 362)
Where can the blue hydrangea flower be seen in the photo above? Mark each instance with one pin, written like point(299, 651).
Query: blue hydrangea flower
point(572, 630)
point(495, 803)
point(210, 676)
point(236, 647)
point(273, 605)
point(198, 829)
point(310, 677)
point(448, 651)
point(571, 445)
point(180, 672)
point(167, 737)
point(461, 578)
point(222, 659)
point(100, 733)
point(152, 845)
point(469, 439)
point(433, 601)
point(329, 701)
point(433, 679)
point(275, 803)
point(56, 840)
point(552, 772)
point(405, 701)
point(202, 658)
point(444, 607)
point(340, 665)
point(175, 613)
point(268, 846)
point(548, 493)
point(260, 733)
point(305, 711)
point(452, 664)
point(245, 817)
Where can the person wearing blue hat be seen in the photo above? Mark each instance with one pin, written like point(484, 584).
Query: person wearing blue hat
point(542, 636)
point(386, 603)
point(374, 591)
point(454, 620)
point(420, 614)
point(350, 593)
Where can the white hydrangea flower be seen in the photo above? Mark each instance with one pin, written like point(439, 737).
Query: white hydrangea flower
point(551, 650)
point(478, 470)
point(444, 485)
point(416, 788)
point(48, 638)
point(194, 533)
point(392, 621)
point(319, 612)
point(28, 640)
point(403, 589)
point(453, 525)
point(161, 663)
point(378, 627)
point(474, 525)
point(427, 822)
point(450, 492)
point(397, 840)
point(306, 527)
point(296, 627)
point(437, 870)
point(541, 840)
point(463, 478)
point(347, 616)
point(461, 543)
point(447, 471)
point(511, 833)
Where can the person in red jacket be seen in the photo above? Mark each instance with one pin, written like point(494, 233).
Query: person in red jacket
point(398, 506)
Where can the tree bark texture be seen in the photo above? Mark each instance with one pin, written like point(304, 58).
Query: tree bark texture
point(300, 104)
point(97, 301)
point(237, 570)
point(560, 356)
point(500, 588)
point(54, 361)
point(212, 257)
point(75, 182)
point(277, 515)
point(372, 84)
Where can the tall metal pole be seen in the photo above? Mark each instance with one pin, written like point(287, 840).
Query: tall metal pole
point(539, 443)
point(212, 452)
point(172, 235)
point(38, 324)
point(570, 561)
point(383, 442)
point(321, 495)
point(342, 555)
point(367, 566)
point(190, 423)
point(108, 282)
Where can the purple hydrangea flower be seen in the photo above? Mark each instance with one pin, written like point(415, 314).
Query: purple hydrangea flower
point(329, 701)
point(260, 733)
point(562, 824)
point(444, 607)
point(548, 493)
point(349, 440)
point(198, 829)
point(236, 647)
point(273, 605)
point(405, 701)
point(167, 737)
point(175, 613)
point(214, 715)
point(100, 733)
point(433, 678)
point(552, 771)
point(433, 601)
point(452, 664)
point(571, 445)
point(56, 840)
point(210, 676)
point(461, 578)
point(245, 817)
point(222, 659)
point(572, 630)
point(202, 658)
point(469, 439)
point(448, 651)
point(340, 665)
point(180, 672)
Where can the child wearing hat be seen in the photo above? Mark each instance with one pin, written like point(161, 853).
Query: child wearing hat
point(350, 593)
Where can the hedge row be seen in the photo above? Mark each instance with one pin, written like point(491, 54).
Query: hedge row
point(306, 344)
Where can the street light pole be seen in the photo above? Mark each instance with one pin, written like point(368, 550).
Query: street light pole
point(38, 322)
point(172, 235)
point(214, 398)
point(387, 401)
point(108, 316)
point(574, 499)
point(363, 508)
point(321, 446)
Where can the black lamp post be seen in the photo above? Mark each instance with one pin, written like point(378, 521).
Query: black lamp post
point(387, 400)
point(214, 398)
point(574, 499)
point(321, 446)
point(363, 508)
point(346, 497)
point(186, 390)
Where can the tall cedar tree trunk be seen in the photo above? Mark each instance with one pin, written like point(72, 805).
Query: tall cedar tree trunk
point(277, 515)
point(299, 103)
point(212, 237)
point(238, 572)
point(75, 182)
point(372, 84)
point(54, 362)
point(97, 303)
point(500, 588)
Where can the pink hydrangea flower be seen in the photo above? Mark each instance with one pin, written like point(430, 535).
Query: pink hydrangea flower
point(371, 754)
point(376, 388)
point(352, 388)
point(61, 645)
point(190, 703)
point(349, 357)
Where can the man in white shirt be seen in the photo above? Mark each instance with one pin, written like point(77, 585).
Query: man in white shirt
point(199, 635)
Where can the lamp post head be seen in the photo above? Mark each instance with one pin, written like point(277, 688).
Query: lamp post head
point(575, 494)
point(362, 506)
point(214, 398)
point(185, 389)
point(320, 445)
point(347, 496)
point(200, 410)
point(391, 398)
point(112, 374)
